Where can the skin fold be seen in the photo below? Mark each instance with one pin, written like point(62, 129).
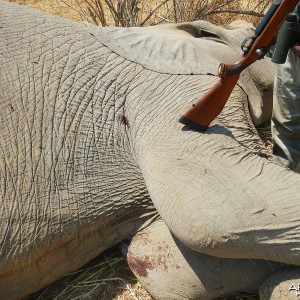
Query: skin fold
point(91, 153)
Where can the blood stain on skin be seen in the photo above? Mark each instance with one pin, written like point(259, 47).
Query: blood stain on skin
point(10, 106)
point(140, 266)
point(122, 119)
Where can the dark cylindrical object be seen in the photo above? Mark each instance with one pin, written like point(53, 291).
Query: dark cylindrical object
point(285, 39)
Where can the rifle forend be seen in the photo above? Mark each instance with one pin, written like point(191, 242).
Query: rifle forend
point(207, 108)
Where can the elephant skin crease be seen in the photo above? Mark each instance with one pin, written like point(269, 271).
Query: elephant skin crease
point(91, 153)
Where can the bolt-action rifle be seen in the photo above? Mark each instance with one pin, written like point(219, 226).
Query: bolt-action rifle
point(201, 114)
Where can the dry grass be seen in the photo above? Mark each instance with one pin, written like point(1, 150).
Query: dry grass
point(55, 7)
point(145, 12)
point(108, 277)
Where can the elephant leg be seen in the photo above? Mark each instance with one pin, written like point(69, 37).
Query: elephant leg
point(170, 270)
point(281, 285)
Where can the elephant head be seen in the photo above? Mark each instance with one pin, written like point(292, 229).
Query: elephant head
point(194, 48)
point(90, 139)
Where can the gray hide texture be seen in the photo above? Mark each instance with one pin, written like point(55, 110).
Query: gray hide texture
point(69, 185)
point(190, 48)
point(170, 270)
point(90, 140)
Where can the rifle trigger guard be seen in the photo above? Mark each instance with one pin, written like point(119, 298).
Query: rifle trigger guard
point(246, 45)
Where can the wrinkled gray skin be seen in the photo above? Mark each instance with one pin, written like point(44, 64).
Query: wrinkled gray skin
point(90, 141)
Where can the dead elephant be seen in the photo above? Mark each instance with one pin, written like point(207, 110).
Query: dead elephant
point(92, 152)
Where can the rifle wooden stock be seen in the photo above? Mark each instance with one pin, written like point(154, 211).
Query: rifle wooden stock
point(206, 109)
point(211, 104)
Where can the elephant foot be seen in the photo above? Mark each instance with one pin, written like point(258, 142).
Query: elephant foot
point(281, 285)
point(170, 270)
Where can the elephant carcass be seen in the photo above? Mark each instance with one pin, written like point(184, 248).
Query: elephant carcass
point(70, 187)
point(89, 138)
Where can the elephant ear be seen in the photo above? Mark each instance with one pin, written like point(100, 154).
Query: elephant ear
point(188, 48)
